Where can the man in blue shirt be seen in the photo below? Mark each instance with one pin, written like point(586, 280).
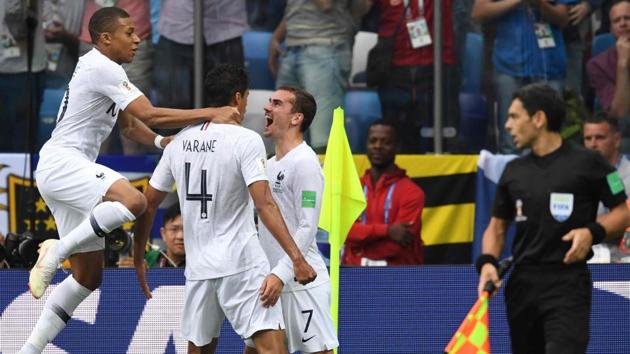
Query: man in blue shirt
point(528, 48)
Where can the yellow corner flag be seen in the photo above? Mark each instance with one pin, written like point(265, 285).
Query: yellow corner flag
point(472, 336)
point(342, 202)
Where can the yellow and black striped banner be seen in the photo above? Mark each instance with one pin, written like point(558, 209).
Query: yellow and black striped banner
point(448, 182)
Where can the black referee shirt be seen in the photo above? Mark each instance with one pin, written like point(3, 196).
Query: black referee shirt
point(549, 196)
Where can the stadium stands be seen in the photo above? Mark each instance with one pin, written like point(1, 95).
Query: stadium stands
point(361, 108)
point(256, 50)
point(48, 114)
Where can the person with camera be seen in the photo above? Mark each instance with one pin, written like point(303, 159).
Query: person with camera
point(89, 200)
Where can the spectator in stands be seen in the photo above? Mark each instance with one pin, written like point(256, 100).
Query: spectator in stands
point(575, 40)
point(528, 48)
point(407, 94)
point(265, 15)
point(609, 71)
point(140, 70)
point(318, 55)
point(224, 22)
point(15, 97)
point(601, 133)
point(389, 230)
point(172, 232)
point(61, 21)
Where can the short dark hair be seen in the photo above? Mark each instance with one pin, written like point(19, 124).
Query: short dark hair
point(603, 117)
point(171, 213)
point(105, 20)
point(542, 97)
point(303, 103)
point(223, 82)
point(386, 123)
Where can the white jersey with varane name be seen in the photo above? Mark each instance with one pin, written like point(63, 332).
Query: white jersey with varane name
point(98, 90)
point(297, 184)
point(212, 166)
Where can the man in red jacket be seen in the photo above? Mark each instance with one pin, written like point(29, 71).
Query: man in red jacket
point(388, 232)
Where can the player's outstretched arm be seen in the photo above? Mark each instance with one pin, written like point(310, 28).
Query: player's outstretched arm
point(141, 235)
point(269, 214)
point(133, 128)
point(158, 117)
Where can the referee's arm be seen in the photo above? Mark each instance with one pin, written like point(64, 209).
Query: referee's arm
point(616, 221)
point(492, 244)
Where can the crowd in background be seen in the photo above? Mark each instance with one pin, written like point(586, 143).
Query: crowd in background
point(311, 46)
point(524, 40)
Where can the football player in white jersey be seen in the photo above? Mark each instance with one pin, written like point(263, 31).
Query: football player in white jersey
point(297, 184)
point(89, 200)
point(216, 168)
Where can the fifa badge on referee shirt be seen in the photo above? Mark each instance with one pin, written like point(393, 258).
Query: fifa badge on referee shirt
point(519, 211)
point(561, 206)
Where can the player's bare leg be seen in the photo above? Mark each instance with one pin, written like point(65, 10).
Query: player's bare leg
point(269, 341)
point(206, 349)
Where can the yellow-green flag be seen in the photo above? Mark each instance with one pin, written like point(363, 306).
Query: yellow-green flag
point(342, 201)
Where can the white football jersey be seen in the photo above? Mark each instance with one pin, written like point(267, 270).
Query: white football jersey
point(98, 90)
point(212, 166)
point(297, 184)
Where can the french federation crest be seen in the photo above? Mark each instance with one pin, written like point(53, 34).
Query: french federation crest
point(561, 206)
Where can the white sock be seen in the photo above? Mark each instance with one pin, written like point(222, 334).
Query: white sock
point(57, 311)
point(104, 218)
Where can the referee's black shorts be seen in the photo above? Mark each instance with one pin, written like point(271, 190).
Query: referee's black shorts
point(548, 308)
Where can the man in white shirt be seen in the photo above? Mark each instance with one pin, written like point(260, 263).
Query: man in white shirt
point(602, 133)
point(89, 200)
point(297, 186)
point(216, 168)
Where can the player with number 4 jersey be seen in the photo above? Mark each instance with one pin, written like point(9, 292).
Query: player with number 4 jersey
point(216, 168)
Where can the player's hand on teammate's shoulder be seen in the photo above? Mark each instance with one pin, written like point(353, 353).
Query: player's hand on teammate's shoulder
point(225, 115)
point(304, 273)
point(271, 290)
point(167, 140)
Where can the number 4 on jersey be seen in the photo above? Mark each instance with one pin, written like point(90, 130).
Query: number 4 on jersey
point(203, 196)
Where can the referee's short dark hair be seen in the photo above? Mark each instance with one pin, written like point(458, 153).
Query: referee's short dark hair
point(304, 103)
point(604, 117)
point(542, 97)
point(105, 20)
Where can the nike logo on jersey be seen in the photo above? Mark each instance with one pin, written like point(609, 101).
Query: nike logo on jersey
point(307, 339)
point(100, 175)
point(112, 110)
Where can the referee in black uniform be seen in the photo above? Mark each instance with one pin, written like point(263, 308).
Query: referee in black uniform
point(552, 195)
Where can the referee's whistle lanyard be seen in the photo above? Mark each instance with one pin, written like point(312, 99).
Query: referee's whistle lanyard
point(388, 204)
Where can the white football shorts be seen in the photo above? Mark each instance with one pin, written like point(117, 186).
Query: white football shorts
point(208, 302)
point(71, 187)
point(307, 317)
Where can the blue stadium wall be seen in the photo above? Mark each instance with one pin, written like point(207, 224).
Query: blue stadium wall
point(382, 310)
